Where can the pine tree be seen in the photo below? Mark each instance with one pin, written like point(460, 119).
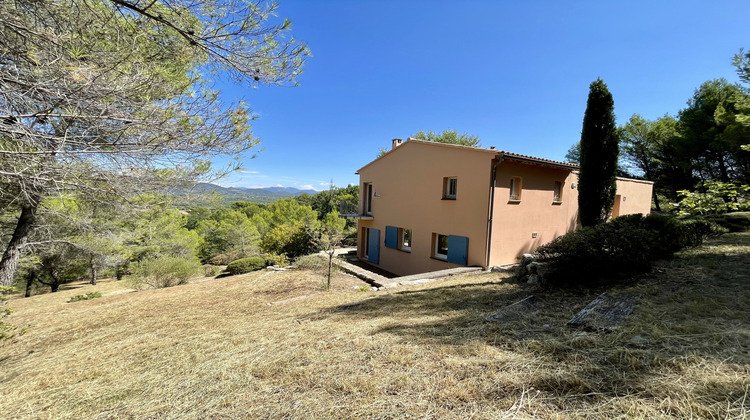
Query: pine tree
point(599, 150)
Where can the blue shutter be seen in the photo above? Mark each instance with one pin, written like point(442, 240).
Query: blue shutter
point(374, 256)
point(391, 237)
point(458, 249)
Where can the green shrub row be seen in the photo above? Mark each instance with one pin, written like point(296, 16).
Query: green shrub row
point(246, 265)
point(624, 246)
point(734, 222)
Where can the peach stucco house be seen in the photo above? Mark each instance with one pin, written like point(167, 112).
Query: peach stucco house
point(428, 206)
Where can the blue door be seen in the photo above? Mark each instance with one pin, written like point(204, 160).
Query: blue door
point(374, 246)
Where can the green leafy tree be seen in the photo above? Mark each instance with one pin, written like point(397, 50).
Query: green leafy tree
point(599, 152)
point(281, 212)
point(712, 136)
point(227, 230)
point(447, 136)
point(648, 149)
point(106, 99)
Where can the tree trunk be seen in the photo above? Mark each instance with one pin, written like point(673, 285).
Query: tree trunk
point(29, 282)
point(656, 200)
point(54, 286)
point(330, 265)
point(92, 263)
point(12, 254)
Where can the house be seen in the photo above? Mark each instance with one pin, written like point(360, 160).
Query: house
point(428, 206)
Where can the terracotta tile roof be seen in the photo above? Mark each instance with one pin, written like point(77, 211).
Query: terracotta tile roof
point(538, 160)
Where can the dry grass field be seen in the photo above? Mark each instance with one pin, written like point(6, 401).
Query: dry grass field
point(217, 349)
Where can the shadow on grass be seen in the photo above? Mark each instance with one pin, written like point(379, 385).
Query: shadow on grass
point(688, 337)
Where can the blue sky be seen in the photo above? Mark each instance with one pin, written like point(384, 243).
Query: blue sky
point(515, 73)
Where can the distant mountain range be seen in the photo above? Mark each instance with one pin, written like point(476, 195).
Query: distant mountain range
point(204, 193)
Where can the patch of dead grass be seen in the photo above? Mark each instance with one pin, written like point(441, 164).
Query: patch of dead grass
point(215, 349)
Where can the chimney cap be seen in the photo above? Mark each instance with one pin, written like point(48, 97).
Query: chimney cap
point(395, 143)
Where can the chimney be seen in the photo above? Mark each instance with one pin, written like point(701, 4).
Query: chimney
point(396, 143)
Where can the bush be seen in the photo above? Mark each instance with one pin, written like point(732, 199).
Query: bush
point(621, 247)
point(227, 257)
point(246, 265)
point(166, 272)
point(277, 259)
point(313, 262)
point(211, 270)
point(734, 222)
point(694, 232)
point(87, 296)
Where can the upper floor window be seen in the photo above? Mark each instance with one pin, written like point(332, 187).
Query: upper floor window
point(557, 192)
point(515, 188)
point(368, 198)
point(450, 187)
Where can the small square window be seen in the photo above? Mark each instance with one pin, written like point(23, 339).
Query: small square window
point(515, 188)
point(557, 192)
point(405, 241)
point(441, 246)
point(450, 187)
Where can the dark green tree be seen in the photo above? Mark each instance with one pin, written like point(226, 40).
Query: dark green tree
point(599, 151)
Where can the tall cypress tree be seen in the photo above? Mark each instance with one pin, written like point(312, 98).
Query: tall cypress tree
point(599, 150)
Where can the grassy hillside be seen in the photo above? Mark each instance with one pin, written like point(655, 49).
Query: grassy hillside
point(217, 349)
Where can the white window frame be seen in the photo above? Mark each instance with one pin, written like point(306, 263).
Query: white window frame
point(366, 244)
point(435, 252)
point(402, 239)
point(450, 187)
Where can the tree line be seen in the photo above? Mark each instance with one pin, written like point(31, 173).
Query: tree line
point(701, 146)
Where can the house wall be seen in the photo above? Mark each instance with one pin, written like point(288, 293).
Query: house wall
point(515, 223)
point(635, 196)
point(408, 193)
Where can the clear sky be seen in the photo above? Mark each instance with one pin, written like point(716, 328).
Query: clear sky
point(515, 73)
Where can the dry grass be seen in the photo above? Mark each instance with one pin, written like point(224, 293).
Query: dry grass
point(216, 349)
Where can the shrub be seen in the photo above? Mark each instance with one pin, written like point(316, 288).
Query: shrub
point(276, 259)
point(246, 265)
point(694, 232)
point(87, 296)
point(166, 272)
point(734, 222)
point(621, 247)
point(211, 270)
point(714, 197)
point(592, 253)
point(227, 257)
point(313, 262)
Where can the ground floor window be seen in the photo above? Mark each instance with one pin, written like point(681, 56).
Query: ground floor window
point(441, 246)
point(450, 248)
point(405, 241)
point(398, 238)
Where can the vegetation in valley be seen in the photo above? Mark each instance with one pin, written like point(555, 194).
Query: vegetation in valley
point(274, 345)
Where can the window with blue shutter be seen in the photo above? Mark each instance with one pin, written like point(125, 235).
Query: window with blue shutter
point(391, 237)
point(458, 249)
point(374, 241)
